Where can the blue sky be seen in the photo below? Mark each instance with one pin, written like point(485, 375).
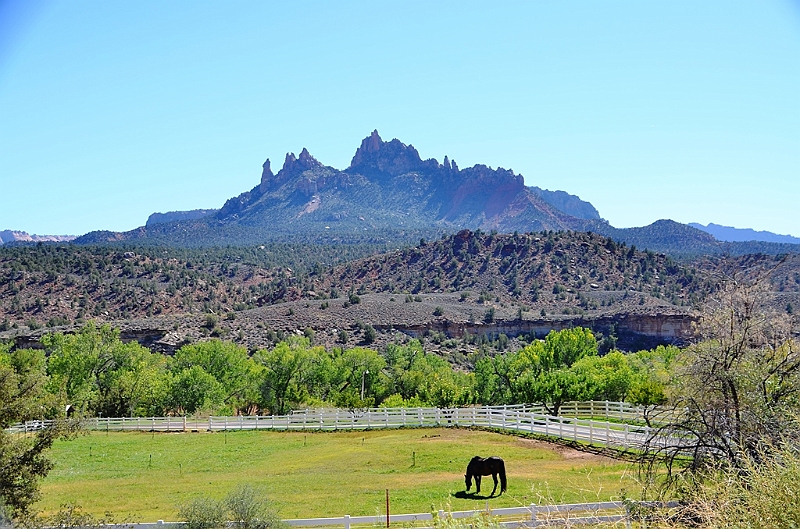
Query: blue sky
point(110, 111)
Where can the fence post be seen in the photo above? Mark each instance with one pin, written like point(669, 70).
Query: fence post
point(533, 512)
point(210, 429)
point(346, 521)
point(184, 423)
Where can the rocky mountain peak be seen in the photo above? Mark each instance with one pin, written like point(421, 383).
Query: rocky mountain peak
point(377, 157)
point(294, 165)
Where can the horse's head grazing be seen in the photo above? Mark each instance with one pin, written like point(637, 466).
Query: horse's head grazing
point(468, 481)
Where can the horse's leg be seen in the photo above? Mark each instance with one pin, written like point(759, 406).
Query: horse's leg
point(494, 477)
point(477, 484)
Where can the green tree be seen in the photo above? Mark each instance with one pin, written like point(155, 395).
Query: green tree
point(193, 389)
point(608, 377)
point(493, 377)
point(357, 379)
point(229, 364)
point(23, 459)
point(426, 378)
point(541, 372)
point(99, 374)
point(291, 371)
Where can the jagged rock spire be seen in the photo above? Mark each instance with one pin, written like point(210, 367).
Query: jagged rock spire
point(266, 176)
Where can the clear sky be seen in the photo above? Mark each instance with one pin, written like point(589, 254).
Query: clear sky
point(110, 111)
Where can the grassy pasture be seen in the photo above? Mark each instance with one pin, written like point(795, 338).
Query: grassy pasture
point(144, 477)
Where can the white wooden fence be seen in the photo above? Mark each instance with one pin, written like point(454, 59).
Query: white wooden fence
point(608, 430)
point(511, 517)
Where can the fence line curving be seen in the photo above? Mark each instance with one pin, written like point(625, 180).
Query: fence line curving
point(595, 422)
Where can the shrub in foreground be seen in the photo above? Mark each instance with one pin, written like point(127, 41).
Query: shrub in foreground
point(246, 507)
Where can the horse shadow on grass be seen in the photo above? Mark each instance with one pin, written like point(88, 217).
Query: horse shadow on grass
point(463, 495)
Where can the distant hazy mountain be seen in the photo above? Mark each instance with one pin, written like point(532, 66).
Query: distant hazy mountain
point(730, 234)
point(7, 236)
point(569, 204)
point(172, 216)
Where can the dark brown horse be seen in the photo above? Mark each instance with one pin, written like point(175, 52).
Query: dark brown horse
point(480, 466)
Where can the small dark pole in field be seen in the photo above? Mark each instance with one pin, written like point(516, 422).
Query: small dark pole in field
point(180, 466)
point(226, 436)
point(387, 508)
point(413, 459)
point(90, 451)
point(304, 439)
point(150, 463)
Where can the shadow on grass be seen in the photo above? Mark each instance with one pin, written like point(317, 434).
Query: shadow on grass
point(463, 495)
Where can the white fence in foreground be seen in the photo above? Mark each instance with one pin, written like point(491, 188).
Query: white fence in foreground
point(511, 518)
point(519, 418)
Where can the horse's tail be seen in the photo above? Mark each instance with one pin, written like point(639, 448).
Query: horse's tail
point(502, 477)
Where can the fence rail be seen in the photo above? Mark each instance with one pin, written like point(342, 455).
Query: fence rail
point(580, 421)
point(511, 518)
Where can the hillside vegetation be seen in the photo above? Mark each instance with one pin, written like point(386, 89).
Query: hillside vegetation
point(251, 292)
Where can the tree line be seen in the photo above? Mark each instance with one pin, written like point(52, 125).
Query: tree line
point(98, 374)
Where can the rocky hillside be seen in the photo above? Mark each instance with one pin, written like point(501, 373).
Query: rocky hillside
point(458, 287)
point(558, 271)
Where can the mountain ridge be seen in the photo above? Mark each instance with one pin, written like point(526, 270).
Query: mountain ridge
point(390, 194)
point(731, 234)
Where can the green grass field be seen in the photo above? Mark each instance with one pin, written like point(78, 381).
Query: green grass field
point(144, 477)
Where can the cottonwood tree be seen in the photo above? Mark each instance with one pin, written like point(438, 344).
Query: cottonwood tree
point(23, 457)
point(736, 392)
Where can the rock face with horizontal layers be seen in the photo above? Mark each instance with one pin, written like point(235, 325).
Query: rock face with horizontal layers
point(173, 216)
